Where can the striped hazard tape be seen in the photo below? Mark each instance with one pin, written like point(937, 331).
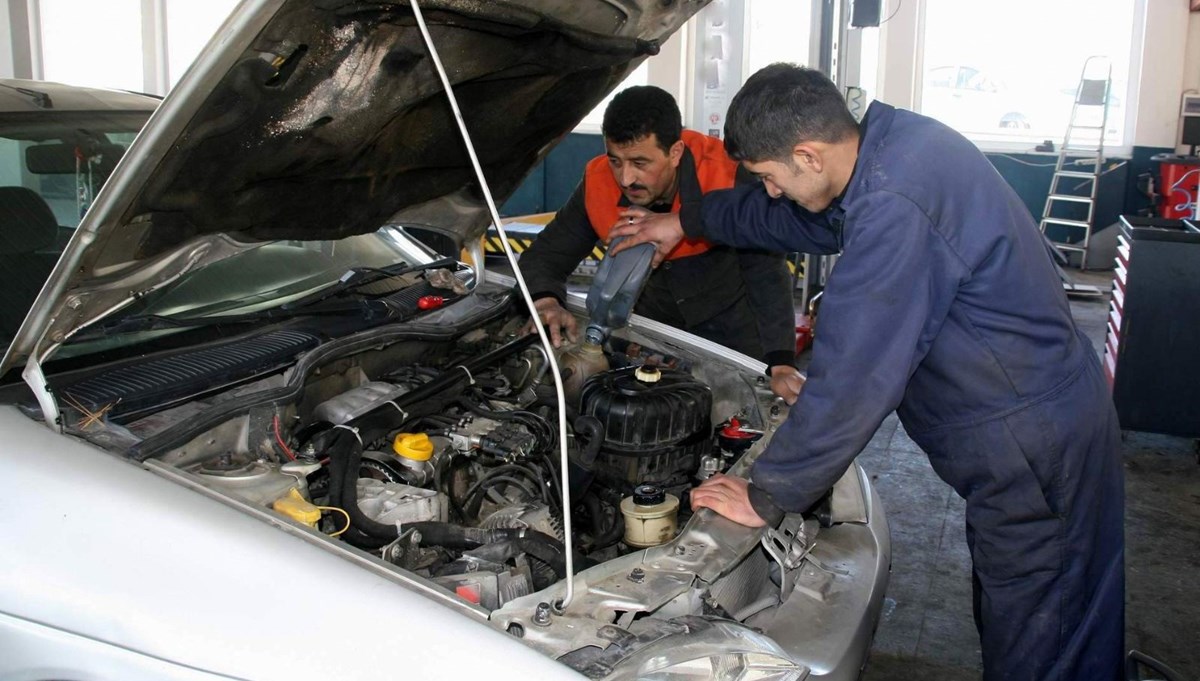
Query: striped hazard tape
point(493, 245)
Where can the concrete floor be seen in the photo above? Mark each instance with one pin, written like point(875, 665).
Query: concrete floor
point(926, 630)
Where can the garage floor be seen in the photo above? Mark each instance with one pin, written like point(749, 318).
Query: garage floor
point(927, 631)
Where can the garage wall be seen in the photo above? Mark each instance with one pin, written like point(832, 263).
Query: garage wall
point(1168, 28)
point(6, 55)
point(1191, 61)
point(549, 185)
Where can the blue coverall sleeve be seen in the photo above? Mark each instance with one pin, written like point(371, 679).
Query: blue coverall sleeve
point(885, 301)
point(747, 217)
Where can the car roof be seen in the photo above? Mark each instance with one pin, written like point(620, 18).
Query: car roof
point(20, 96)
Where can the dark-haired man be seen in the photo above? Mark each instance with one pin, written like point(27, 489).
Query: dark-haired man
point(739, 299)
point(946, 307)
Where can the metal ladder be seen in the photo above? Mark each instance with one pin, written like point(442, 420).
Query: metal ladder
point(1073, 206)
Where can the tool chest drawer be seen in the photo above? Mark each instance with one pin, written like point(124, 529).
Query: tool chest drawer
point(1152, 342)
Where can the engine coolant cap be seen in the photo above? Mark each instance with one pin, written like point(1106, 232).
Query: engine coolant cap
point(415, 446)
point(647, 374)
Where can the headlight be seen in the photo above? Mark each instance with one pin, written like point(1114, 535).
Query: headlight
point(730, 667)
point(717, 650)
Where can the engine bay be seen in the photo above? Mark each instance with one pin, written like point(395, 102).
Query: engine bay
point(441, 456)
point(432, 445)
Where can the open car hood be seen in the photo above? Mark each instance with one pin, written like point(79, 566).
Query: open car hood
point(320, 119)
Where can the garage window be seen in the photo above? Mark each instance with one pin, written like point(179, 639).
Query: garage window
point(97, 43)
point(1008, 71)
point(190, 25)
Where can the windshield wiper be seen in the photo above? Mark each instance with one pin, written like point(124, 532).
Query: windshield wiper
point(39, 98)
point(364, 276)
point(353, 280)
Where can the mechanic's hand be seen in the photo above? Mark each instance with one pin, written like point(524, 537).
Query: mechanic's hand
point(786, 382)
point(556, 320)
point(729, 496)
point(643, 226)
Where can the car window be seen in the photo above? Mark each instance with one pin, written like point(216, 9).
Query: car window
point(52, 165)
point(65, 158)
point(967, 76)
point(941, 77)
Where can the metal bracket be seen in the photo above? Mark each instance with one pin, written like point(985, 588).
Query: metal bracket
point(788, 545)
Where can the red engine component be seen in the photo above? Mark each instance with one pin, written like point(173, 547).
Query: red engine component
point(803, 332)
point(430, 302)
point(1178, 177)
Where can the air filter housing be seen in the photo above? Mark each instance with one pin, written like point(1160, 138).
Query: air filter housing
point(657, 423)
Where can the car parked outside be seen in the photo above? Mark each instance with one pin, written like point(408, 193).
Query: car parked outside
point(969, 100)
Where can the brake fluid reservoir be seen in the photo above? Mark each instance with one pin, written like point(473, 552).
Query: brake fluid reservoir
point(650, 516)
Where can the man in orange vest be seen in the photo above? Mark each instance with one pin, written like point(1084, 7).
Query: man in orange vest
point(739, 299)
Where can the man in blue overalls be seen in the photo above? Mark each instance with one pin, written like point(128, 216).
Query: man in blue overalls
point(946, 307)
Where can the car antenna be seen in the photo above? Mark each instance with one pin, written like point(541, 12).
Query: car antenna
point(568, 541)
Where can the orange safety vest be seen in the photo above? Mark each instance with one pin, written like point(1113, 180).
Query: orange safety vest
point(602, 194)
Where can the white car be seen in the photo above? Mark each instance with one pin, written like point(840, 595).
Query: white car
point(253, 429)
point(969, 100)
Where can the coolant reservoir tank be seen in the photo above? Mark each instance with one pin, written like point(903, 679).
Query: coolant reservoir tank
point(651, 516)
point(578, 364)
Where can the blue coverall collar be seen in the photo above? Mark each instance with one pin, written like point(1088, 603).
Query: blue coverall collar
point(872, 128)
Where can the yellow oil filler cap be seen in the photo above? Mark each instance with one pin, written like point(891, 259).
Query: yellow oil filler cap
point(415, 446)
point(296, 507)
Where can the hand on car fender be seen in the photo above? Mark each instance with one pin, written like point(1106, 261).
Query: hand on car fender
point(641, 226)
point(556, 320)
point(787, 382)
point(729, 496)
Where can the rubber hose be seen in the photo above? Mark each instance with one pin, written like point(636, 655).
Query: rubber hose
point(593, 430)
point(592, 504)
point(614, 533)
point(347, 450)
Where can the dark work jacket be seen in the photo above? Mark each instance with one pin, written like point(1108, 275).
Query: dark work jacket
point(738, 298)
point(945, 306)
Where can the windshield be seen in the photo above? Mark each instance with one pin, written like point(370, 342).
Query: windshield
point(263, 277)
point(52, 164)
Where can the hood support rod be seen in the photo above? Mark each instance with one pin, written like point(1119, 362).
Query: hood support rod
point(568, 539)
point(36, 380)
